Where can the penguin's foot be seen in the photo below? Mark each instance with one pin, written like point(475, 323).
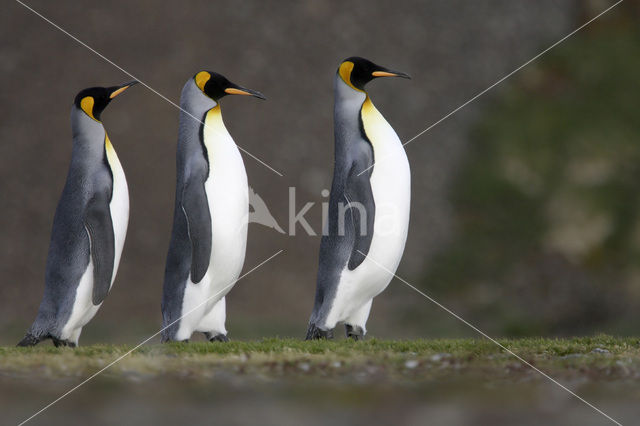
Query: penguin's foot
point(62, 342)
point(354, 332)
point(217, 338)
point(174, 341)
point(29, 340)
point(168, 338)
point(316, 333)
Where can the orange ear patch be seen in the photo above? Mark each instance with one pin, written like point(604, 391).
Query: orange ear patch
point(345, 73)
point(87, 106)
point(201, 79)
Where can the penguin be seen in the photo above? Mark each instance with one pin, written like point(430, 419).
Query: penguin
point(209, 235)
point(369, 206)
point(89, 226)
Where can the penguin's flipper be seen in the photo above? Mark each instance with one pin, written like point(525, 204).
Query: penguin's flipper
point(100, 229)
point(358, 190)
point(196, 210)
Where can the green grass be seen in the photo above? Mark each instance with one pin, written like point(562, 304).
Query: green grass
point(600, 357)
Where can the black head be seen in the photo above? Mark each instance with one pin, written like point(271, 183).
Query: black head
point(216, 86)
point(357, 71)
point(95, 99)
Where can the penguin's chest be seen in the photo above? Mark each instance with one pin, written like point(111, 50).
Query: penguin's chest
point(228, 198)
point(119, 206)
point(391, 188)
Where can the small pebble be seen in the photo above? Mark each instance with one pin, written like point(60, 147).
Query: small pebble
point(304, 366)
point(412, 363)
point(571, 356)
point(439, 357)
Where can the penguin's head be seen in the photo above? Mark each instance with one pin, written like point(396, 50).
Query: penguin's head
point(95, 99)
point(357, 72)
point(216, 86)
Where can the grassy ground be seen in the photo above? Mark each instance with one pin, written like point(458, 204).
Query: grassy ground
point(287, 381)
point(601, 357)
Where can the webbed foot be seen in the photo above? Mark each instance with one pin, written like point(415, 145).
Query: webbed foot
point(316, 333)
point(354, 332)
point(217, 338)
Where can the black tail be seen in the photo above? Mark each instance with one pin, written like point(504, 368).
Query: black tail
point(29, 340)
point(315, 333)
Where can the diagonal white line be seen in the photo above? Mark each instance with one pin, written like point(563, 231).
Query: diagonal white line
point(120, 358)
point(58, 27)
point(485, 335)
point(503, 78)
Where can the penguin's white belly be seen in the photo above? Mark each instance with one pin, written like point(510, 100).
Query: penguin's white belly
point(83, 308)
point(228, 196)
point(119, 207)
point(391, 187)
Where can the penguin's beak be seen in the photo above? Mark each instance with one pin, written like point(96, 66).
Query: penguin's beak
point(119, 89)
point(237, 90)
point(384, 72)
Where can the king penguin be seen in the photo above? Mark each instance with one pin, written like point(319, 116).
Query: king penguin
point(368, 206)
point(89, 227)
point(209, 236)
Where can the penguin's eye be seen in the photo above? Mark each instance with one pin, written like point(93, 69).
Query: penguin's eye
point(87, 105)
point(201, 79)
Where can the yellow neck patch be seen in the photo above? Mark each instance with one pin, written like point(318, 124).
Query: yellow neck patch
point(213, 125)
point(112, 157)
point(107, 144)
point(214, 116)
point(87, 106)
point(201, 79)
point(345, 73)
point(371, 121)
point(367, 106)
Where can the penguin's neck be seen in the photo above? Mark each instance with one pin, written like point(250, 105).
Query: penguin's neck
point(346, 115)
point(194, 105)
point(213, 118)
point(347, 99)
point(89, 138)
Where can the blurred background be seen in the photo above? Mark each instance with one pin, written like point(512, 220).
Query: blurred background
point(525, 210)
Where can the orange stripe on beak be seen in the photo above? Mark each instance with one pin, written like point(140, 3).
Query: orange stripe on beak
point(117, 92)
point(383, 74)
point(233, 91)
